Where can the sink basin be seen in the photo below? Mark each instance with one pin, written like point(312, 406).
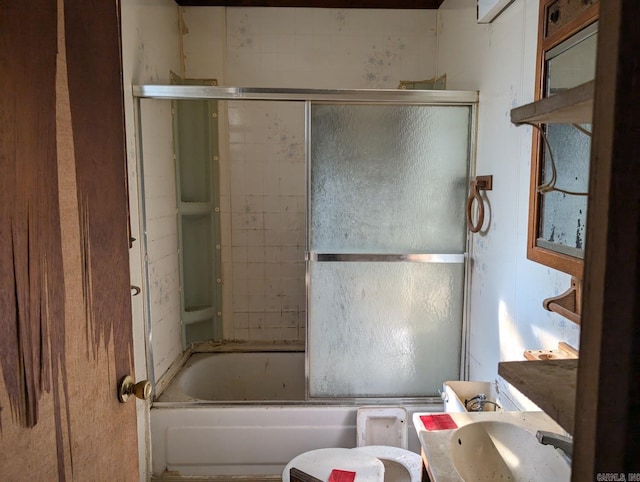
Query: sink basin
point(503, 451)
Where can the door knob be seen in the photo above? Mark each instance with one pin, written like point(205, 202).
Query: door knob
point(128, 387)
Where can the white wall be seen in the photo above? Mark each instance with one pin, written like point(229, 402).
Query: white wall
point(367, 48)
point(149, 51)
point(506, 289)
point(262, 165)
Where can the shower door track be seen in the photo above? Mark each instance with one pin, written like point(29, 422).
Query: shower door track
point(377, 96)
point(309, 96)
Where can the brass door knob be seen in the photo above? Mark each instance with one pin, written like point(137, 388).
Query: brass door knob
point(128, 387)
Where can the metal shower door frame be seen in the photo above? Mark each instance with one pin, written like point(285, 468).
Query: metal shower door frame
point(309, 96)
point(422, 98)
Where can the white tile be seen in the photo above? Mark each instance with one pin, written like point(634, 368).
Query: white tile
point(255, 203)
point(255, 238)
point(272, 334)
point(240, 302)
point(273, 221)
point(241, 320)
point(291, 221)
point(272, 303)
point(290, 254)
point(272, 204)
point(257, 335)
point(240, 272)
point(256, 321)
point(289, 203)
point(271, 257)
point(254, 221)
point(271, 185)
point(290, 334)
point(292, 181)
point(291, 318)
point(255, 271)
point(239, 254)
point(256, 287)
point(241, 334)
point(289, 239)
point(273, 238)
point(256, 303)
point(273, 320)
point(255, 254)
point(239, 237)
point(289, 270)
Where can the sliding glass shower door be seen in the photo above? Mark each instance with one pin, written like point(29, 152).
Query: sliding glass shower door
point(386, 248)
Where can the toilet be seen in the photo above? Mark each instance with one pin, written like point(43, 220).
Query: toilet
point(381, 454)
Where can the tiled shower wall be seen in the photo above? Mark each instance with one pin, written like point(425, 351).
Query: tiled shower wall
point(267, 205)
point(262, 163)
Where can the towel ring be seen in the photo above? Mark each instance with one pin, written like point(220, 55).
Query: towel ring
point(484, 183)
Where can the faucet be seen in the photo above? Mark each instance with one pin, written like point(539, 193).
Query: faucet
point(556, 440)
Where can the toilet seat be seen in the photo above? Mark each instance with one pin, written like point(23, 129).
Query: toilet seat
point(320, 462)
point(367, 462)
point(409, 460)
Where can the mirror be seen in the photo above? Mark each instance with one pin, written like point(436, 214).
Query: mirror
point(560, 165)
point(565, 166)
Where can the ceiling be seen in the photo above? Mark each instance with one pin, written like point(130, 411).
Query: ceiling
point(400, 4)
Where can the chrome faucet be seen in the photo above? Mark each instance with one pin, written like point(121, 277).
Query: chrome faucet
point(556, 440)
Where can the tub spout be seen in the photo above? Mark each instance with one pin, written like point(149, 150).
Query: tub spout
point(556, 440)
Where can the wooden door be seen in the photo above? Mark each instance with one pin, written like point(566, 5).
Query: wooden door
point(65, 307)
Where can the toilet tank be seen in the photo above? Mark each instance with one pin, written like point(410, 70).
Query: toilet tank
point(454, 394)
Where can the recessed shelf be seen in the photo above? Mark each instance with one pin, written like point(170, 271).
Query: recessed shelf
point(550, 384)
point(572, 106)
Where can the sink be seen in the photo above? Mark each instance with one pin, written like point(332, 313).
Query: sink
point(504, 451)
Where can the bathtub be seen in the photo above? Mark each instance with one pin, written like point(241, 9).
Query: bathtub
point(216, 420)
point(239, 377)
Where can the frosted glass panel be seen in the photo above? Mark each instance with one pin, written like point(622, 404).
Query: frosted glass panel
point(384, 329)
point(388, 179)
point(193, 149)
point(200, 331)
point(197, 264)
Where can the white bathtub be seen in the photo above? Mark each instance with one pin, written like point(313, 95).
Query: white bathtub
point(216, 420)
point(239, 377)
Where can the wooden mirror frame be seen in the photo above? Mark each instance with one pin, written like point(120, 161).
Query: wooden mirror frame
point(550, 34)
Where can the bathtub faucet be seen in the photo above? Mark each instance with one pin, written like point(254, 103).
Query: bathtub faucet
point(556, 440)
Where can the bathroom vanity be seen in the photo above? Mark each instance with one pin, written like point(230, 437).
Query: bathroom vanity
point(489, 446)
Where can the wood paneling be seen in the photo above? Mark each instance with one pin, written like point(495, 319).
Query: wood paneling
point(401, 4)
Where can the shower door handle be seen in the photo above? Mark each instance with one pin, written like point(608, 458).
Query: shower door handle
point(388, 257)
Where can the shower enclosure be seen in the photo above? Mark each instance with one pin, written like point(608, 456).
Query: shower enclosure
point(373, 229)
point(340, 223)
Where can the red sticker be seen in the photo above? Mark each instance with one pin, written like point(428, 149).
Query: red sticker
point(438, 422)
point(338, 475)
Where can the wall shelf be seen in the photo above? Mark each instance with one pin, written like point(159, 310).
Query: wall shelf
point(572, 106)
point(550, 384)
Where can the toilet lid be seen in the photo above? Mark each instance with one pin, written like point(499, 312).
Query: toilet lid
point(409, 460)
point(321, 462)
